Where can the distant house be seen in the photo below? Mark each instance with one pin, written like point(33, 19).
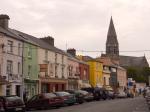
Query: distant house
point(78, 71)
point(95, 70)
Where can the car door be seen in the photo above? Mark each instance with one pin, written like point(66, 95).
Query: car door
point(33, 102)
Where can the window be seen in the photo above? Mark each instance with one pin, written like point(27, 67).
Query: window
point(56, 71)
point(19, 49)
point(46, 55)
point(55, 57)
point(62, 71)
point(29, 52)
point(8, 90)
point(29, 70)
point(10, 46)
point(9, 67)
point(62, 59)
point(19, 67)
point(85, 74)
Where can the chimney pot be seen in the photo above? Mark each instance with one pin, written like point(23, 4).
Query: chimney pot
point(72, 52)
point(4, 21)
point(49, 40)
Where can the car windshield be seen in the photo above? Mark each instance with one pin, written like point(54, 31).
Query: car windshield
point(49, 95)
point(12, 98)
point(62, 93)
point(82, 92)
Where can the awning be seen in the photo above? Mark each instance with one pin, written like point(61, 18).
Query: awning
point(85, 85)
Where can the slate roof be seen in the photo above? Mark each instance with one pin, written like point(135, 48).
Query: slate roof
point(7, 32)
point(37, 41)
point(76, 59)
point(30, 39)
point(131, 61)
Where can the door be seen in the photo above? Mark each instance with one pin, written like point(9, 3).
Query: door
point(18, 90)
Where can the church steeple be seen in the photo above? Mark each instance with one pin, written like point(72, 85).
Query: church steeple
point(112, 45)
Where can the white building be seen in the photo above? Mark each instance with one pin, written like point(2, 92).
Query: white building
point(10, 60)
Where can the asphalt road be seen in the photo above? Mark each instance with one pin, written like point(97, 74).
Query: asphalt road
point(137, 104)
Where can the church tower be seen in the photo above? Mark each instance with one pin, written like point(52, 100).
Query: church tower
point(112, 45)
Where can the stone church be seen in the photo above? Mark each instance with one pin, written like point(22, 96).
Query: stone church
point(112, 51)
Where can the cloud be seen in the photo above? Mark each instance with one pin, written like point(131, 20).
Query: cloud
point(83, 24)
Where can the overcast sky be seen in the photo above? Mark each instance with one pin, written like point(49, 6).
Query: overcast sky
point(83, 24)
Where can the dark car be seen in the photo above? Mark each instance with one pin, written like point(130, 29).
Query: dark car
point(78, 95)
point(69, 99)
point(88, 96)
point(110, 94)
point(11, 103)
point(98, 93)
point(1, 106)
point(44, 101)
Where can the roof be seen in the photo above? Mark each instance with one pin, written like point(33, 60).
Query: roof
point(76, 59)
point(37, 41)
point(127, 61)
point(8, 32)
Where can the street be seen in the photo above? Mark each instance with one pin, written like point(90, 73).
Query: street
point(137, 104)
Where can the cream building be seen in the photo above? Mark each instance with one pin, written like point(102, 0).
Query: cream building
point(10, 60)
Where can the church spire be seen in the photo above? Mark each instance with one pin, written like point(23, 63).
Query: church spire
point(112, 46)
point(111, 35)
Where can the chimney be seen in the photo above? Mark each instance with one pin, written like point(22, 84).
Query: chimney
point(4, 21)
point(49, 40)
point(72, 52)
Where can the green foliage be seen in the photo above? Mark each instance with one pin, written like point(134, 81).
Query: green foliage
point(138, 74)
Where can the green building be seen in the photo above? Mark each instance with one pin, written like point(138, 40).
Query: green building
point(30, 69)
point(30, 64)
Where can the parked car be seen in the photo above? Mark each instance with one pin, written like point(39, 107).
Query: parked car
point(110, 94)
point(88, 96)
point(1, 106)
point(78, 95)
point(44, 101)
point(11, 103)
point(69, 99)
point(121, 94)
point(98, 93)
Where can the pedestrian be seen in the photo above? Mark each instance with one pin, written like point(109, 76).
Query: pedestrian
point(25, 96)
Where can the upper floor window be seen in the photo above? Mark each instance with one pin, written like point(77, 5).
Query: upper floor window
point(29, 70)
point(9, 66)
point(19, 68)
point(85, 74)
point(29, 52)
point(19, 49)
point(62, 59)
point(10, 46)
point(46, 55)
point(55, 57)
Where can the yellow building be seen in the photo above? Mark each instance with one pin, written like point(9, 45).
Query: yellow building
point(96, 73)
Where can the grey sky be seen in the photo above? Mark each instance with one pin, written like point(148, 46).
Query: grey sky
point(83, 24)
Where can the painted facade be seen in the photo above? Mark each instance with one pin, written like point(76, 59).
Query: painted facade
point(73, 73)
point(84, 74)
point(96, 76)
point(53, 68)
point(30, 69)
point(121, 78)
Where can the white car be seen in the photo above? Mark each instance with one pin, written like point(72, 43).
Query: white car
point(121, 94)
